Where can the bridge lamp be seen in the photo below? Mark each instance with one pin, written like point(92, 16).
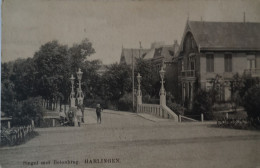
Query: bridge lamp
point(162, 73)
point(79, 74)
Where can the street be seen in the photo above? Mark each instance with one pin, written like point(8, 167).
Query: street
point(125, 139)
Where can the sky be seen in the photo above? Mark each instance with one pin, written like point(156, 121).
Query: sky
point(109, 24)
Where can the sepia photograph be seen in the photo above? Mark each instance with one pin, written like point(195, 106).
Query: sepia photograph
point(130, 84)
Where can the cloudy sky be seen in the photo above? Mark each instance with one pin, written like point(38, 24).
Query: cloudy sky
point(109, 24)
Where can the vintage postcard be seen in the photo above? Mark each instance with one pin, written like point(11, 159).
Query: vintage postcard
point(130, 84)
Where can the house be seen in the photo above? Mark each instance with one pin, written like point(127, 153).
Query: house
point(163, 56)
point(129, 56)
point(208, 49)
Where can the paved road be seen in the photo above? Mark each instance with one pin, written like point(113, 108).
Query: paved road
point(131, 140)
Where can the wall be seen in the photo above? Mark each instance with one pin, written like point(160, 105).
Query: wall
point(239, 64)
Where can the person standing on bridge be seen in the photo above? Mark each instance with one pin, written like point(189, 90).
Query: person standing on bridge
point(98, 111)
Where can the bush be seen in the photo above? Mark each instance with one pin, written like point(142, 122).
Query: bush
point(203, 104)
point(176, 108)
point(125, 103)
point(28, 110)
point(150, 100)
point(252, 103)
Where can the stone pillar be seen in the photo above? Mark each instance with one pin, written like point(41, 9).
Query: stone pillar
point(53, 122)
point(227, 115)
point(139, 92)
point(202, 117)
point(72, 94)
point(183, 91)
point(162, 90)
point(9, 124)
point(191, 93)
point(139, 99)
point(162, 95)
point(72, 102)
point(32, 124)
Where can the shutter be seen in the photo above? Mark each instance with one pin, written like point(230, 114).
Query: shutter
point(226, 63)
point(207, 63)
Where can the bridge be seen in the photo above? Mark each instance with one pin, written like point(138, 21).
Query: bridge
point(125, 139)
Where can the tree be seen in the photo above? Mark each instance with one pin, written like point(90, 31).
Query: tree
point(252, 103)
point(202, 103)
point(78, 54)
point(51, 64)
point(91, 81)
point(117, 81)
point(24, 79)
point(7, 97)
point(28, 110)
point(150, 81)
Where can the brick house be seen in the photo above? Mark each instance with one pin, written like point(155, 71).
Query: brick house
point(208, 49)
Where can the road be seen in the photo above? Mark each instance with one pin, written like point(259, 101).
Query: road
point(130, 140)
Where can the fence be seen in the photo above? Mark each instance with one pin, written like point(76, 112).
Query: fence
point(15, 135)
point(157, 110)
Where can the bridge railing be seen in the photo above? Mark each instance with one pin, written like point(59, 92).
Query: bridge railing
point(157, 110)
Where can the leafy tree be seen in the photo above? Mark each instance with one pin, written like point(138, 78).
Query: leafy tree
point(78, 54)
point(252, 103)
point(30, 109)
point(91, 81)
point(125, 103)
point(150, 82)
point(117, 81)
point(7, 96)
point(202, 103)
point(51, 63)
point(24, 79)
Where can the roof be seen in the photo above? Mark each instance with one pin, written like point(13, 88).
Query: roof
point(225, 35)
point(126, 55)
point(150, 54)
point(166, 51)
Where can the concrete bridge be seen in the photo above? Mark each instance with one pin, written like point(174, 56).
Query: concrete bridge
point(126, 139)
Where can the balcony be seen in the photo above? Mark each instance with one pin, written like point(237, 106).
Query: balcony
point(252, 72)
point(188, 74)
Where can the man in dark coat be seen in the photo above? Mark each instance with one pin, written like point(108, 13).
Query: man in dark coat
point(98, 111)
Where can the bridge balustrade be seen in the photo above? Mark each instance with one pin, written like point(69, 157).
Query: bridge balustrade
point(157, 110)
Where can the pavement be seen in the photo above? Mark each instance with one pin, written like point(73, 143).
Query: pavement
point(129, 140)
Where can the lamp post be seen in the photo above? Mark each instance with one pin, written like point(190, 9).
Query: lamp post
point(162, 90)
point(139, 93)
point(80, 95)
point(72, 94)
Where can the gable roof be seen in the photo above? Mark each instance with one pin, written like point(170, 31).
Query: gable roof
point(126, 55)
point(225, 35)
point(166, 51)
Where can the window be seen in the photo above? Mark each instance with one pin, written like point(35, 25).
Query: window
point(182, 65)
point(228, 63)
point(251, 62)
point(210, 63)
point(191, 63)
